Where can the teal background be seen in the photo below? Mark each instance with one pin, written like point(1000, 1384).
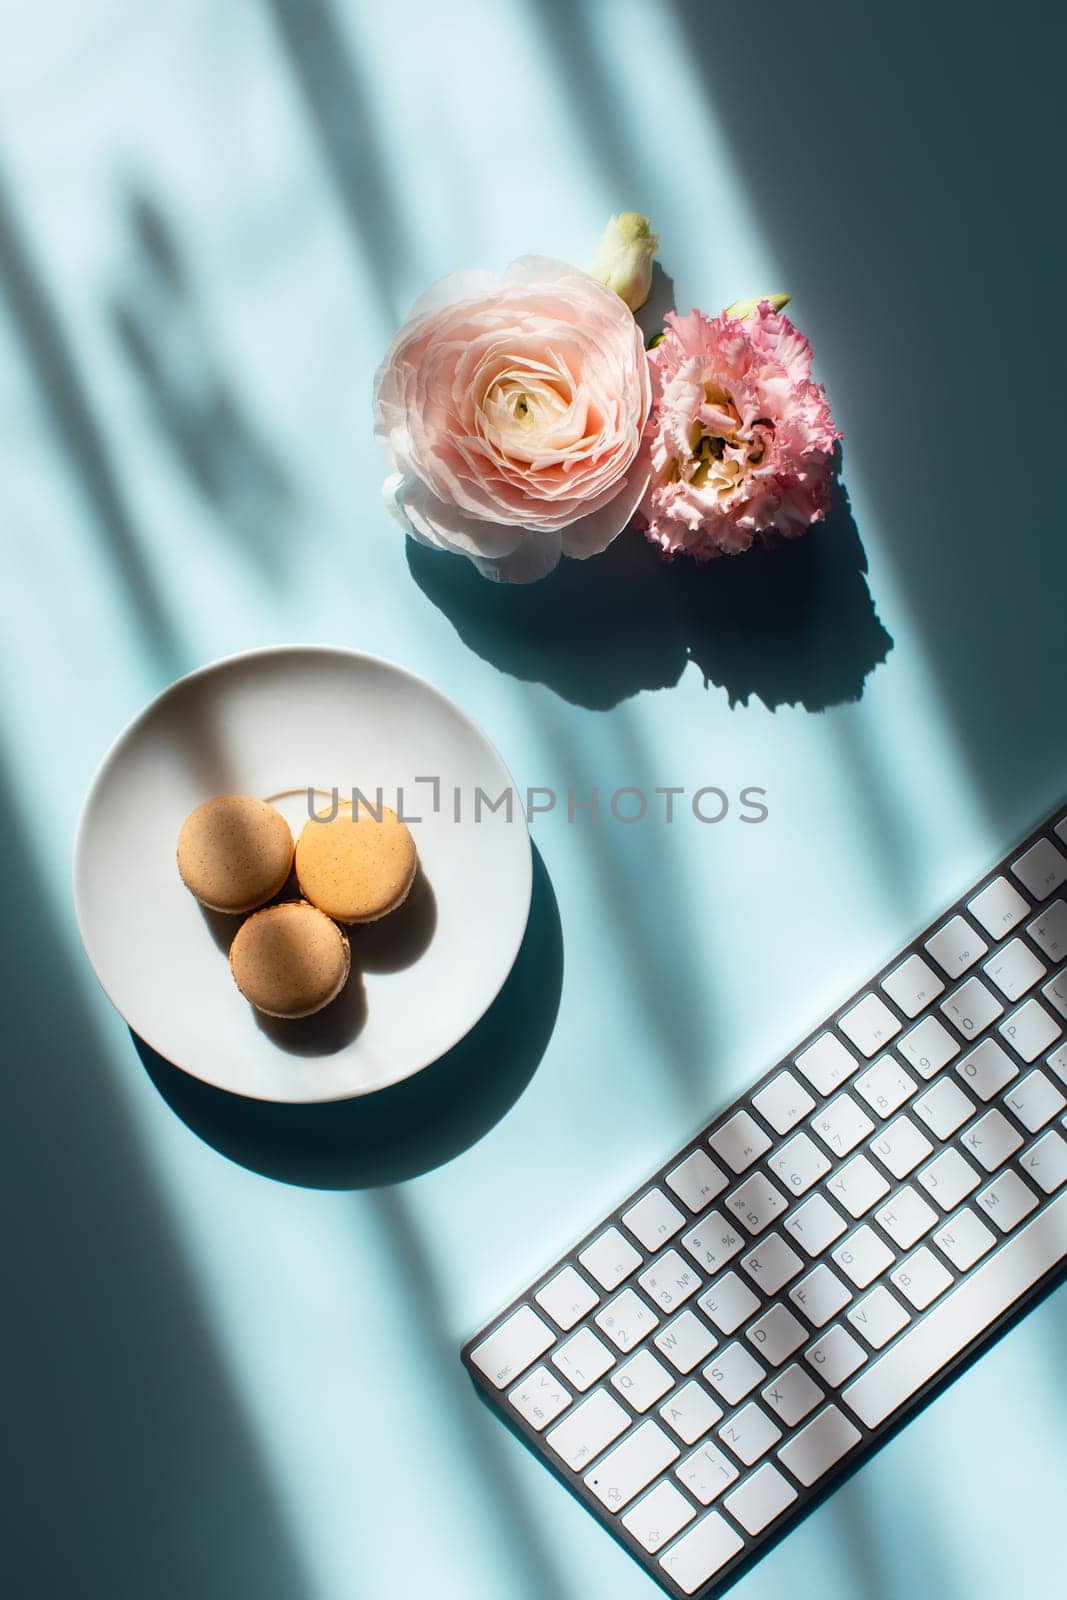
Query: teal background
point(231, 1359)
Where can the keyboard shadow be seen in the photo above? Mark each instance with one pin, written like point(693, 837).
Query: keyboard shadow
point(811, 1499)
point(793, 625)
point(412, 1127)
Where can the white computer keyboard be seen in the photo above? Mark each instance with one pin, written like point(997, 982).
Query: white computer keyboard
point(750, 1323)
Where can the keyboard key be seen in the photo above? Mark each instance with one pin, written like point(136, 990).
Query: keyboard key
point(583, 1359)
point(956, 946)
point(1007, 1200)
point(566, 1297)
point(749, 1433)
point(588, 1429)
point(626, 1320)
point(944, 1108)
point(514, 1346)
point(815, 1224)
point(783, 1103)
point(776, 1335)
point(740, 1142)
point(728, 1303)
point(1060, 830)
point(819, 1445)
point(1030, 1030)
point(653, 1220)
point(858, 1186)
point(842, 1125)
point(921, 1278)
point(913, 985)
point(928, 1047)
point(820, 1295)
point(699, 1554)
point(734, 1373)
point(1046, 1162)
point(540, 1398)
point(821, 1219)
point(1049, 930)
point(670, 1282)
point(1015, 969)
point(971, 1007)
point(713, 1242)
point(696, 1181)
point(642, 1381)
point(1034, 1101)
point(878, 1317)
point(706, 1473)
point(632, 1466)
point(793, 1395)
point(658, 1517)
point(835, 1357)
point(799, 1164)
point(900, 1147)
point(885, 1086)
point(1056, 993)
point(690, 1412)
point(949, 1179)
point(863, 1256)
point(999, 908)
point(760, 1499)
point(771, 1264)
point(987, 1069)
point(906, 1217)
point(964, 1240)
point(826, 1064)
point(869, 1025)
point(949, 1327)
point(1041, 869)
point(610, 1259)
point(756, 1203)
point(991, 1140)
point(685, 1342)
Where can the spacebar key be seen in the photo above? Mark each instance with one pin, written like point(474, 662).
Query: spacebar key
point(979, 1299)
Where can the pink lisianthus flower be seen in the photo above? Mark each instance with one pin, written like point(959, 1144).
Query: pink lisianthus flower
point(511, 407)
point(741, 438)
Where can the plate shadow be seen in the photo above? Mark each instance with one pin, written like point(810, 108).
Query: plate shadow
point(414, 1126)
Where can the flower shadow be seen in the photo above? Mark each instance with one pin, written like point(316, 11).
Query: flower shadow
point(650, 317)
point(795, 625)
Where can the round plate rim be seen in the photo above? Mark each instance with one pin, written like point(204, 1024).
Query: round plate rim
point(130, 730)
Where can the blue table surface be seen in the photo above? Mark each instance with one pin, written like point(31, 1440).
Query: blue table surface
point(231, 1344)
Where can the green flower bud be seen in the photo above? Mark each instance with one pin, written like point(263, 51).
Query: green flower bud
point(624, 257)
point(748, 308)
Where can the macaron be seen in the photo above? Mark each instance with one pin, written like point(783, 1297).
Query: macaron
point(290, 960)
point(357, 866)
point(234, 852)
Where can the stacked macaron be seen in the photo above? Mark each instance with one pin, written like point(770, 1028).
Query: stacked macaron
point(290, 958)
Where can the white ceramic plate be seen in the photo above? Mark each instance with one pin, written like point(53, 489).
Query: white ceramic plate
point(275, 723)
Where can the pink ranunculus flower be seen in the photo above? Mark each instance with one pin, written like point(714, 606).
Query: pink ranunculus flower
point(511, 406)
point(741, 438)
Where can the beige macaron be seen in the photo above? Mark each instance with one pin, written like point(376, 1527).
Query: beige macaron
point(290, 960)
point(357, 866)
point(234, 852)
